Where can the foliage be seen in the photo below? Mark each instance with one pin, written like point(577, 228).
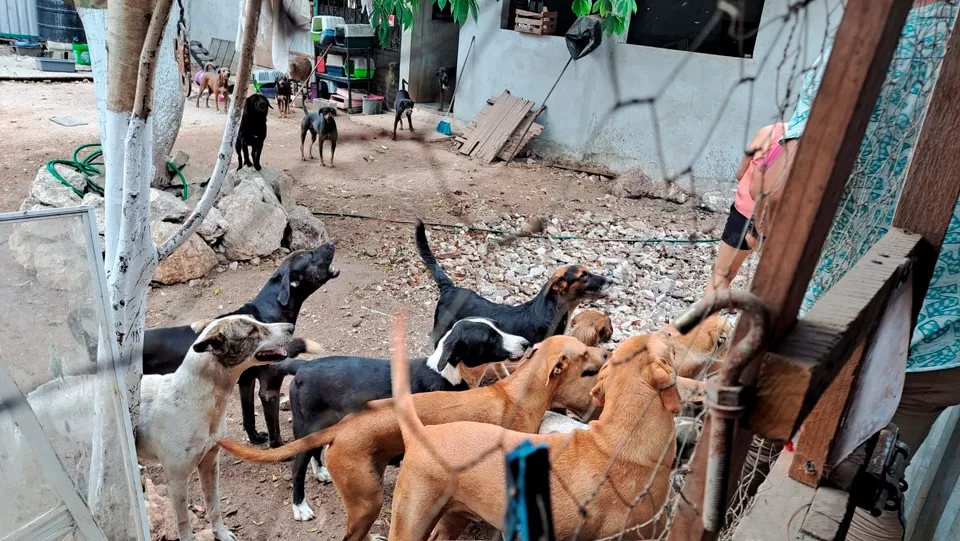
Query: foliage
point(614, 14)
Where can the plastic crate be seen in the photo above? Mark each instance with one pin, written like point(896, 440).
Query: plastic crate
point(361, 68)
point(335, 60)
point(266, 76)
point(336, 71)
point(322, 28)
point(56, 64)
point(355, 35)
point(268, 90)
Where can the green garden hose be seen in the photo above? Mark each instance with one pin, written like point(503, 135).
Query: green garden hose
point(86, 166)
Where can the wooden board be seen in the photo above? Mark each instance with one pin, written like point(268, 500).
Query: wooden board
point(485, 126)
point(488, 150)
point(864, 45)
point(513, 144)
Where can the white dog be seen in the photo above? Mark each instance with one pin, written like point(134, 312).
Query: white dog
point(182, 415)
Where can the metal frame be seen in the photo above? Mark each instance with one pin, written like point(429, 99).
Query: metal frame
point(25, 418)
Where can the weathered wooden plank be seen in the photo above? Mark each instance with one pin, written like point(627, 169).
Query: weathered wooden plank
point(500, 137)
point(801, 367)
point(862, 50)
point(820, 429)
point(503, 111)
point(932, 185)
point(482, 129)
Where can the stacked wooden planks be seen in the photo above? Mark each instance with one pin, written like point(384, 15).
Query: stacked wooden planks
point(496, 130)
point(531, 22)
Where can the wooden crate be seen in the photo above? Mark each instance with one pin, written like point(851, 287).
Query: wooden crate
point(531, 22)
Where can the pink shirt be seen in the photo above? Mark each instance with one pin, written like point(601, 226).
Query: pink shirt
point(762, 159)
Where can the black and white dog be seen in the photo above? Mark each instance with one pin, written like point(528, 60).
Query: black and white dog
point(299, 276)
point(403, 106)
point(253, 131)
point(447, 77)
point(326, 390)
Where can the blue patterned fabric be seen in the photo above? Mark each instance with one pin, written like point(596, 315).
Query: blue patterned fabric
point(870, 197)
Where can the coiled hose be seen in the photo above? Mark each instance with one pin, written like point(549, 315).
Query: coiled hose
point(87, 167)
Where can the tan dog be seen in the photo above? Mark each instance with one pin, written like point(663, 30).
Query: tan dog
point(699, 352)
point(638, 384)
point(591, 327)
point(216, 81)
point(361, 446)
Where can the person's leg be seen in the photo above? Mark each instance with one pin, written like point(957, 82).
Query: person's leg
point(731, 254)
point(925, 396)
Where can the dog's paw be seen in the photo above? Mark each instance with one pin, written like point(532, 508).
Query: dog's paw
point(320, 472)
point(276, 444)
point(372, 537)
point(223, 534)
point(302, 511)
point(258, 438)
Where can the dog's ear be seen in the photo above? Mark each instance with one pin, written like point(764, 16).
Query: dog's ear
point(446, 356)
point(199, 326)
point(213, 343)
point(283, 297)
point(556, 365)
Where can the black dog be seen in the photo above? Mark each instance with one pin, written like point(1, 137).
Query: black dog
point(253, 130)
point(543, 316)
point(326, 390)
point(447, 77)
point(284, 94)
point(404, 106)
point(322, 124)
point(298, 277)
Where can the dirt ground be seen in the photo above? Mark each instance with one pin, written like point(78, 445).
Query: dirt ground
point(373, 176)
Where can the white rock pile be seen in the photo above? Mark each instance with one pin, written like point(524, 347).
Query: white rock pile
point(255, 217)
point(654, 281)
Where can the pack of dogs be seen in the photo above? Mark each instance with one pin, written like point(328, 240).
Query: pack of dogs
point(498, 375)
point(321, 125)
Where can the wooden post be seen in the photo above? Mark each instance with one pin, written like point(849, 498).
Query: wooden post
point(851, 83)
point(933, 184)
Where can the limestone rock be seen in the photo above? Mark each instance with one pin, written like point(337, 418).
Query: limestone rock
point(49, 191)
point(190, 260)
point(166, 207)
point(636, 185)
point(213, 226)
point(718, 201)
point(255, 227)
point(305, 231)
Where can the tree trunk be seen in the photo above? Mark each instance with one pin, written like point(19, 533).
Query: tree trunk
point(168, 99)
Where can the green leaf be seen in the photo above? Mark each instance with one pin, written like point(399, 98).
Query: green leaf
point(607, 24)
point(442, 3)
point(582, 7)
point(603, 7)
point(474, 9)
point(460, 9)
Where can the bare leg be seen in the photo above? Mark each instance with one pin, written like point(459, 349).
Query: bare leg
point(729, 260)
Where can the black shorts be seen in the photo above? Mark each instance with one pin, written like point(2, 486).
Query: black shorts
point(733, 232)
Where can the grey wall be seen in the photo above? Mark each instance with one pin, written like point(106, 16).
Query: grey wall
point(701, 106)
point(428, 46)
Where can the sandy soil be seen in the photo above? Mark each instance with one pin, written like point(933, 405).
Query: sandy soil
point(374, 176)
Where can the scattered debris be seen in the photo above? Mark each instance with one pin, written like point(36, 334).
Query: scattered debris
point(68, 121)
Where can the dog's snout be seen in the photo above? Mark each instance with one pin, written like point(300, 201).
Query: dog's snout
point(287, 328)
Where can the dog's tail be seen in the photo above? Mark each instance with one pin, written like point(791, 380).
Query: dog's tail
point(410, 423)
point(443, 281)
point(403, 84)
point(279, 454)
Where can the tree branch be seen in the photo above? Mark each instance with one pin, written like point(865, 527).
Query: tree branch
point(143, 100)
point(192, 223)
point(127, 24)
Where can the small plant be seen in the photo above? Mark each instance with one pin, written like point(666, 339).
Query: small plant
point(614, 14)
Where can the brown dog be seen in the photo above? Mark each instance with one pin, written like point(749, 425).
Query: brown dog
point(591, 327)
point(361, 446)
point(638, 384)
point(700, 351)
point(216, 81)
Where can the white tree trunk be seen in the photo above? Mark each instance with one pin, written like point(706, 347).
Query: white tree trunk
point(168, 100)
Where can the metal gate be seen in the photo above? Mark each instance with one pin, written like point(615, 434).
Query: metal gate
point(67, 458)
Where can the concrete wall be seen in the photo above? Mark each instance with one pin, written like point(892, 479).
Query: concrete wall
point(428, 46)
point(702, 105)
